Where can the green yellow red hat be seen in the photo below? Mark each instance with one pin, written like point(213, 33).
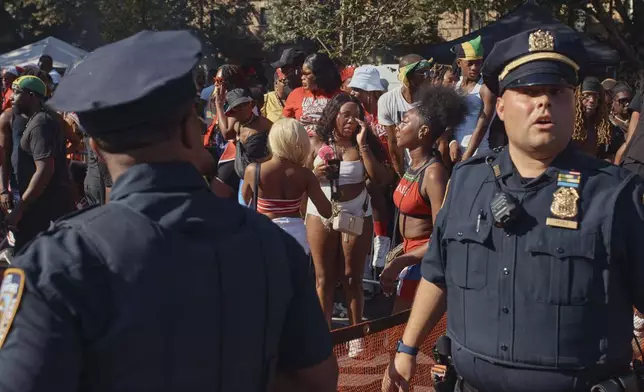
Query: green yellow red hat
point(32, 84)
point(470, 50)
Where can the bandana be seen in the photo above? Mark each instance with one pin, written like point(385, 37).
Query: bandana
point(620, 87)
point(347, 73)
point(410, 68)
point(470, 50)
point(591, 84)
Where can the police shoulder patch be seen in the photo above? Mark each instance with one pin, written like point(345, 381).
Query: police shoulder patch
point(13, 284)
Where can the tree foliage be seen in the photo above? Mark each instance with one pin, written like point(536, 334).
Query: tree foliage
point(351, 30)
point(91, 23)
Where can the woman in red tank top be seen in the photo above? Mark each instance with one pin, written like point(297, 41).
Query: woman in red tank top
point(421, 191)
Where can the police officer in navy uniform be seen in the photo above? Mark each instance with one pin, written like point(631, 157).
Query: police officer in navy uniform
point(537, 254)
point(166, 287)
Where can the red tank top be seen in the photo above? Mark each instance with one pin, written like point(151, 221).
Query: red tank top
point(407, 196)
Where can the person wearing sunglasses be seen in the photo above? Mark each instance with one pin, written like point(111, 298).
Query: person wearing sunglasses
point(274, 100)
point(622, 95)
point(593, 132)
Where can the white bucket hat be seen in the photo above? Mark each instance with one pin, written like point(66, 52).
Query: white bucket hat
point(367, 78)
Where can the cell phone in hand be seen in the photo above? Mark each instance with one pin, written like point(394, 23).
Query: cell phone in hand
point(333, 169)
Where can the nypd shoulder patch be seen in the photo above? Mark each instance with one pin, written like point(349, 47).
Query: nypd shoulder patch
point(13, 284)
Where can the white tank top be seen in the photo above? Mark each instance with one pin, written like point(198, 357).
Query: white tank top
point(463, 133)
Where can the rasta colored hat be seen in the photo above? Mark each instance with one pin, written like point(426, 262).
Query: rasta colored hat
point(470, 50)
point(32, 84)
point(404, 72)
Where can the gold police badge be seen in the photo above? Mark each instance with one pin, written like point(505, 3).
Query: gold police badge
point(541, 41)
point(564, 203)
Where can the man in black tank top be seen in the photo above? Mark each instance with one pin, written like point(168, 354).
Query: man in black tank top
point(39, 163)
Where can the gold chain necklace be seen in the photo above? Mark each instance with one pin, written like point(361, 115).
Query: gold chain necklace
point(252, 118)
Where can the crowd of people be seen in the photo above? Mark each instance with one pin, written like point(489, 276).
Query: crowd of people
point(354, 171)
point(383, 156)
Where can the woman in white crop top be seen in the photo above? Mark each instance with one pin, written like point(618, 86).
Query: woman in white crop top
point(342, 135)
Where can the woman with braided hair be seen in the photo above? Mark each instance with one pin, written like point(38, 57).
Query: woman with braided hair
point(593, 132)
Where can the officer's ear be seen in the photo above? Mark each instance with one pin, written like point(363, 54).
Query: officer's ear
point(500, 108)
point(97, 150)
point(190, 129)
point(199, 156)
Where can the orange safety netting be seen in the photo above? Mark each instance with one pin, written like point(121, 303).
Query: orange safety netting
point(372, 345)
point(363, 370)
point(638, 324)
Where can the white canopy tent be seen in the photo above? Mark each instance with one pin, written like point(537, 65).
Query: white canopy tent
point(64, 54)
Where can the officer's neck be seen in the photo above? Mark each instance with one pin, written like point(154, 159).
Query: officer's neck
point(529, 165)
point(117, 164)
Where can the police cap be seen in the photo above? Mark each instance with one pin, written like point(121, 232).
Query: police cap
point(130, 82)
point(533, 58)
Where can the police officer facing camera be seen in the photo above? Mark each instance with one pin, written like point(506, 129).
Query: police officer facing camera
point(537, 253)
point(152, 291)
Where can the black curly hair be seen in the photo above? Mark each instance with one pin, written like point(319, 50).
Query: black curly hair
point(233, 76)
point(327, 76)
point(326, 126)
point(440, 108)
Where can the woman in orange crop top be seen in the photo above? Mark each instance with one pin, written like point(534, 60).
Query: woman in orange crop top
point(284, 182)
point(421, 191)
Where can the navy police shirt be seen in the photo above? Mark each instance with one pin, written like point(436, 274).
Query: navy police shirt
point(165, 288)
point(548, 303)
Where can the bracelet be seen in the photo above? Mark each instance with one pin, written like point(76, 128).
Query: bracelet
point(364, 148)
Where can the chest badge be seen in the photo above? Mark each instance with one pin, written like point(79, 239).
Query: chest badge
point(564, 207)
point(564, 203)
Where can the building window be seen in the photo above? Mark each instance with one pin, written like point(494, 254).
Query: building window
point(476, 20)
point(264, 16)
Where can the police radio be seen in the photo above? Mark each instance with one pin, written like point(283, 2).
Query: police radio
point(504, 206)
point(443, 373)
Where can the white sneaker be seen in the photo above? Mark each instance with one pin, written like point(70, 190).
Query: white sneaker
point(339, 311)
point(381, 247)
point(356, 347)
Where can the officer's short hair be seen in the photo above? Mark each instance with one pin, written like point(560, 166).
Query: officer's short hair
point(145, 134)
point(288, 140)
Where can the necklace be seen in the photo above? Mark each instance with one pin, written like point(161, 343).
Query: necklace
point(252, 118)
point(413, 169)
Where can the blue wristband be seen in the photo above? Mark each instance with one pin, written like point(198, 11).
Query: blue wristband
point(403, 348)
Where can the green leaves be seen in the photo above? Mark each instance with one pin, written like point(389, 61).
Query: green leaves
point(351, 30)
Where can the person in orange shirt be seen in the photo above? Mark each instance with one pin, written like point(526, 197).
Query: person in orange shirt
point(320, 82)
point(9, 74)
